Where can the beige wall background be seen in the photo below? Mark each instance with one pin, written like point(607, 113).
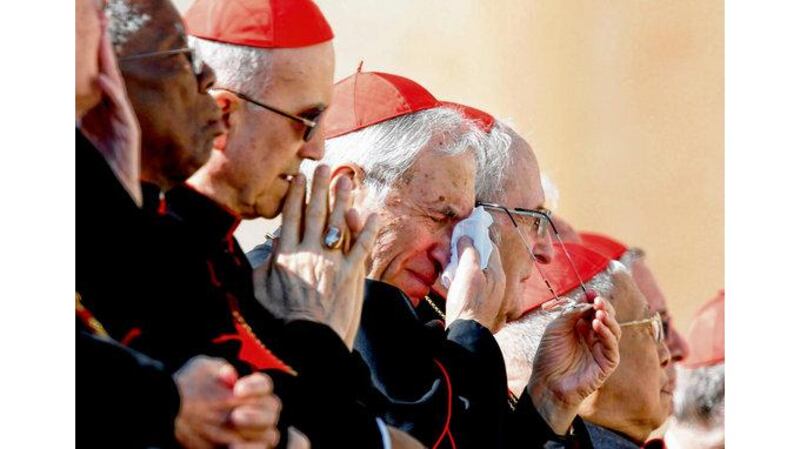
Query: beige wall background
point(622, 101)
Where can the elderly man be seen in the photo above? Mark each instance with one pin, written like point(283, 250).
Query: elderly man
point(126, 399)
point(636, 399)
point(521, 230)
point(699, 419)
point(412, 160)
point(647, 283)
point(275, 63)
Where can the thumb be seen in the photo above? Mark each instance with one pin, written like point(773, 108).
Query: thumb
point(227, 375)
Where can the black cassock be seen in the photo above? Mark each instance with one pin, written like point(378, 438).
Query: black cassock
point(448, 388)
point(195, 296)
point(123, 398)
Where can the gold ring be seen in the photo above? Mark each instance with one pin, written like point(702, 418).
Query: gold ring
point(333, 237)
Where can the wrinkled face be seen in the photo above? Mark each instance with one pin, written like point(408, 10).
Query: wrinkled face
point(646, 282)
point(178, 118)
point(88, 30)
point(524, 190)
point(419, 215)
point(637, 398)
point(264, 147)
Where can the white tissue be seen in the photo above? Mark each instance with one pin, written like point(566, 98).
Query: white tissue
point(476, 227)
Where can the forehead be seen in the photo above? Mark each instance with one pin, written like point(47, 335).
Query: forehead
point(304, 74)
point(523, 187)
point(159, 27)
point(646, 282)
point(627, 299)
point(437, 178)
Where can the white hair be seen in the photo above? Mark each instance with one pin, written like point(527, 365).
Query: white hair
point(519, 340)
point(493, 161)
point(237, 67)
point(386, 151)
point(124, 20)
point(700, 396)
point(551, 193)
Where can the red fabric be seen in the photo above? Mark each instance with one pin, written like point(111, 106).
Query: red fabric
point(602, 244)
point(259, 23)
point(253, 352)
point(562, 277)
point(446, 429)
point(130, 336)
point(366, 98)
point(483, 120)
point(707, 334)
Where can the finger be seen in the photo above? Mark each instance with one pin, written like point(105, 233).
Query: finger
point(366, 239)
point(108, 60)
point(341, 203)
point(257, 384)
point(297, 440)
point(292, 214)
point(317, 209)
point(219, 435)
point(464, 244)
point(354, 222)
point(226, 374)
point(255, 419)
point(608, 342)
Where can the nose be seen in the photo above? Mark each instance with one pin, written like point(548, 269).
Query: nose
point(543, 249)
point(206, 78)
point(440, 252)
point(678, 347)
point(314, 149)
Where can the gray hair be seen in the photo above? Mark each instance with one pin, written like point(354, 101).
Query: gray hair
point(124, 20)
point(519, 340)
point(386, 151)
point(700, 396)
point(493, 160)
point(237, 67)
point(551, 193)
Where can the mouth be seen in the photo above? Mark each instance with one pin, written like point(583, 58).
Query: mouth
point(215, 128)
point(427, 280)
point(287, 177)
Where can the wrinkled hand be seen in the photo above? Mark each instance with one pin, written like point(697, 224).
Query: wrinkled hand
point(477, 294)
point(112, 125)
point(217, 409)
point(256, 417)
point(578, 352)
point(304, 279)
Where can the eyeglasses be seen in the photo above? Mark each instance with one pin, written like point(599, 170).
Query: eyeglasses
point(194, 57)
point(533, 220)
point(540, 219)
point(310, 122)
point(656, 325)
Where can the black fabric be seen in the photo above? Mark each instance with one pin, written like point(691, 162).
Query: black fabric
point(196, 271)
point(604, 438)
point(403, 353)
point(428, 374)
point(123, 398)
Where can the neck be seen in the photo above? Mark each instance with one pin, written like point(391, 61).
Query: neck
point(215, 188)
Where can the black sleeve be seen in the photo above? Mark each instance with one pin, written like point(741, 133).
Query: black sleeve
point(124, 399)
point(326, 400)
point(527, 429)
point(442, 389)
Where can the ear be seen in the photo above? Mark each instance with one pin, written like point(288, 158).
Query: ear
point(356, 175)
point(228, 104)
